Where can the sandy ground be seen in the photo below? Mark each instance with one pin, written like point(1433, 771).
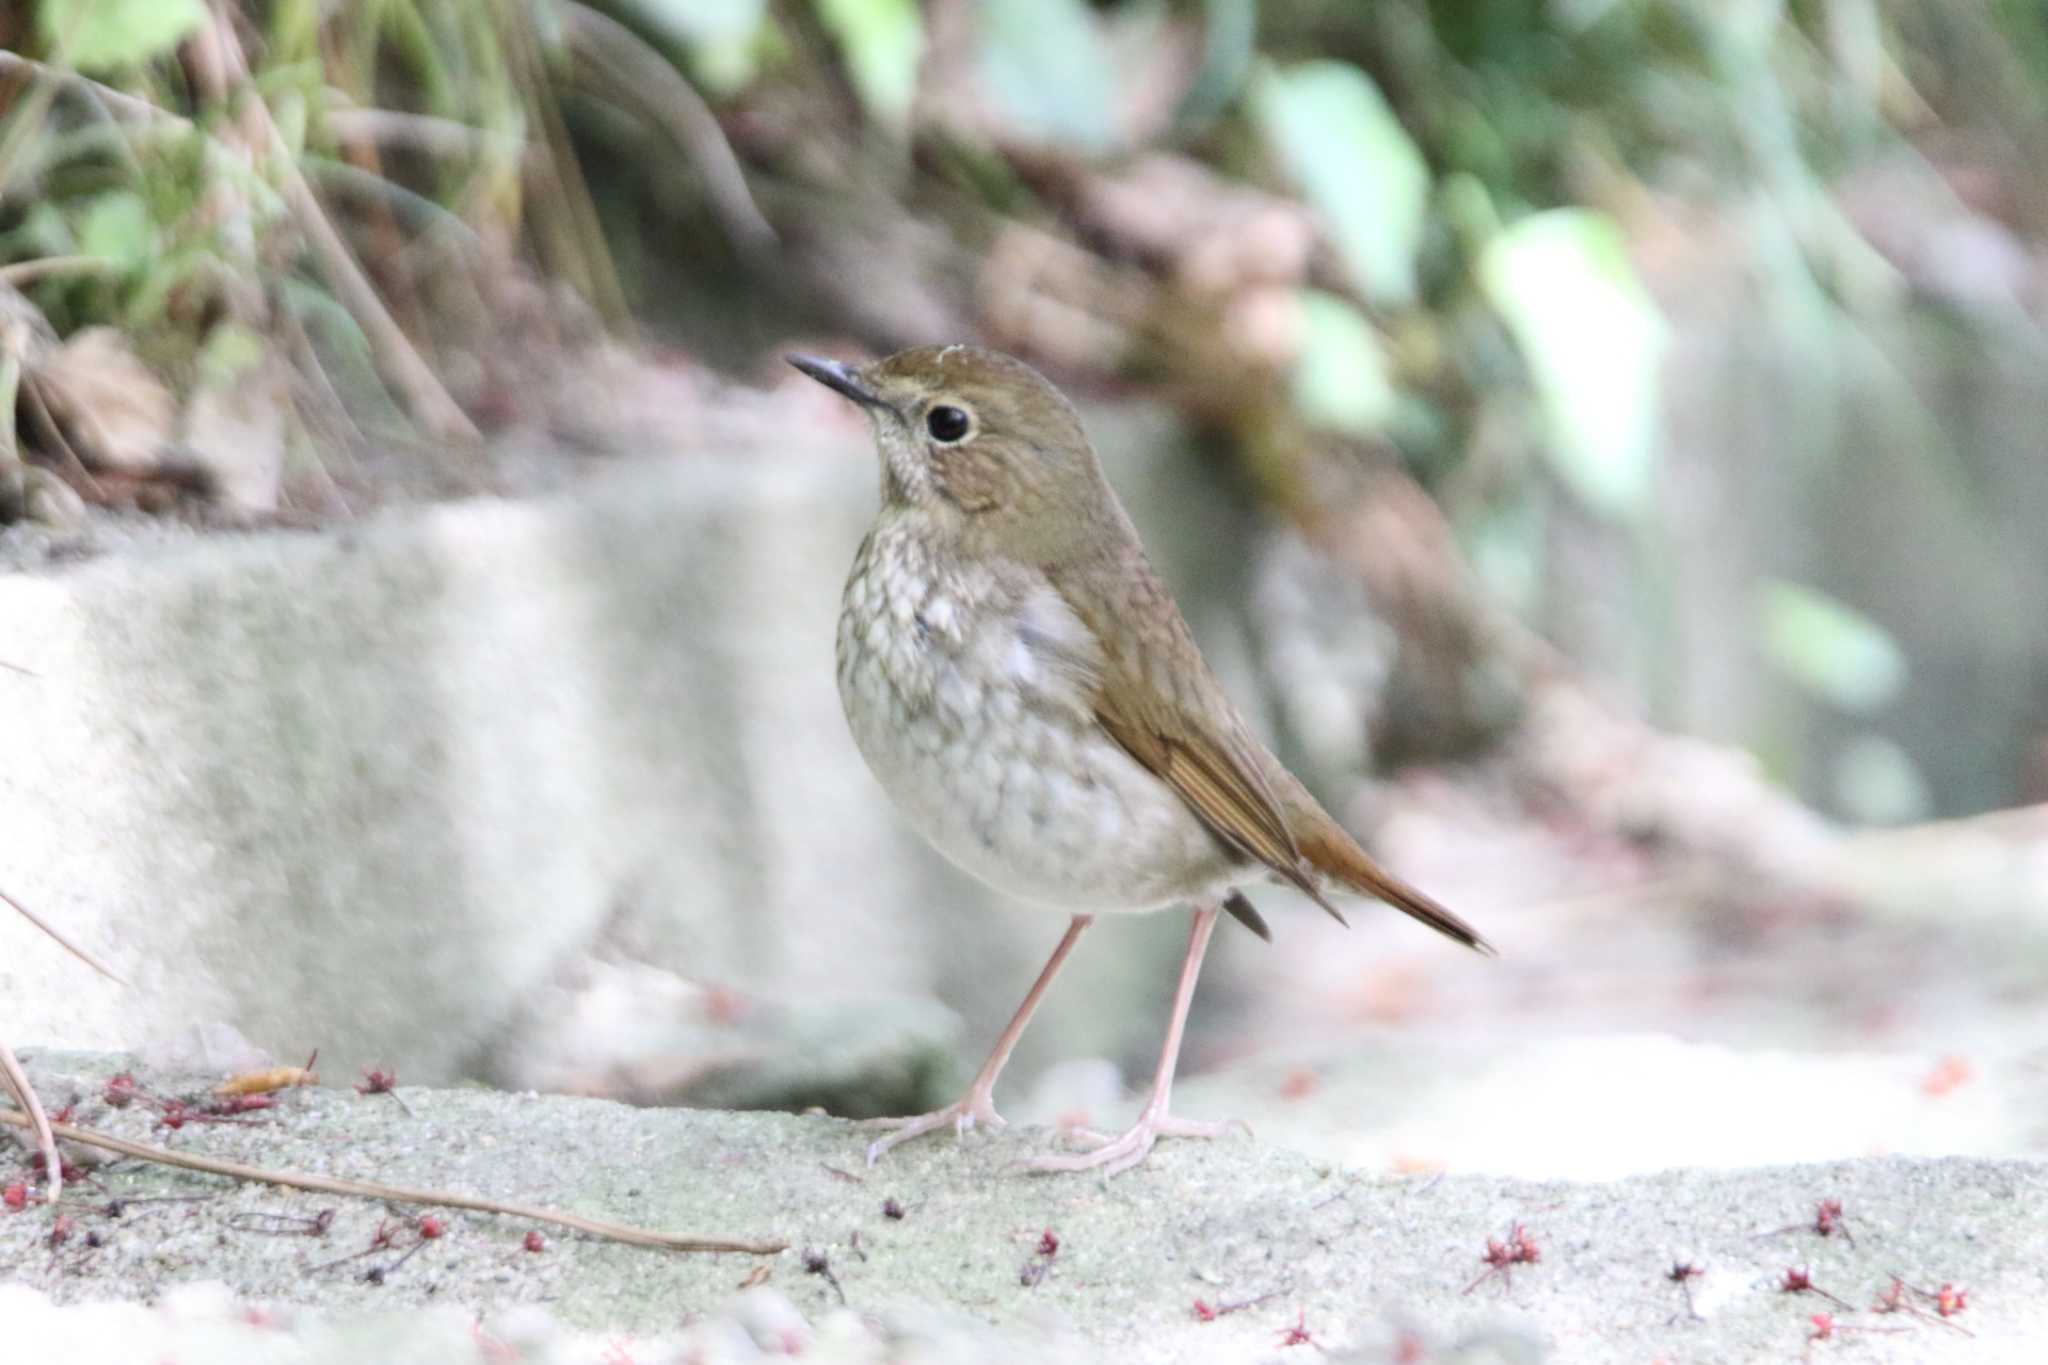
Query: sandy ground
point(1227, 1250)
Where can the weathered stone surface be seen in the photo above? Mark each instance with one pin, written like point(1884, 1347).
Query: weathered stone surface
point(379, 789)
point(1358, 1261)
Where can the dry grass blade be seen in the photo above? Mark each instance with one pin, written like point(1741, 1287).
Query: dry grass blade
point(17, 1079)
point(420, 132)
point(72, 948)
point(370, 1189)
point(117, 102)
point(28, 272)
point(37, 1121)
point(622, 68)
point(397, 361)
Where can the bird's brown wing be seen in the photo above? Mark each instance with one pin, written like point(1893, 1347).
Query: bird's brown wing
point(1156, 697)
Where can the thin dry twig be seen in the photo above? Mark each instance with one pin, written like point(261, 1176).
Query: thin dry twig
point(370, 1189)
point(38, 1121)
point(72, 948)
point(17, 1079)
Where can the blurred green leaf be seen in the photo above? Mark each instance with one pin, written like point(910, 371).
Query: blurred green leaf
point(1049, 68)
point(883, 41)
point(1230, 35)
point(719, 34)
point(105, 35)
point(1507, 542)
point(1356, 166)
point(1593, 342)
point(43, 231)
point(1878, 783)
point(115, 226)
point(1341, 379)
point(231, 350)
point(1829, 648)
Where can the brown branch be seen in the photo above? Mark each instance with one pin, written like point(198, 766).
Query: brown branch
point(370, 1189)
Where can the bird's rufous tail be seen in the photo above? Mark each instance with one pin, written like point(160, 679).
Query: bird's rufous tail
point(1337, 856)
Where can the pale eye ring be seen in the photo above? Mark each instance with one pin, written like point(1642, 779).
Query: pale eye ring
point(947, 423)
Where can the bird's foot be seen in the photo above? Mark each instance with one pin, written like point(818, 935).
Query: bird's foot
point(1115, 1155)
point(976, 1108)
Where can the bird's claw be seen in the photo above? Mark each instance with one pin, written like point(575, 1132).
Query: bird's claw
point(964, 1114)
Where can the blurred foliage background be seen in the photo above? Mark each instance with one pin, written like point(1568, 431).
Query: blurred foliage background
point(1712, 332)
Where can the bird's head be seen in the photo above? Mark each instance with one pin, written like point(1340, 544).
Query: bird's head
point(979, 447)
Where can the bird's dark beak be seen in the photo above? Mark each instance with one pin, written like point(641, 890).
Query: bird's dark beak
point(840, 378)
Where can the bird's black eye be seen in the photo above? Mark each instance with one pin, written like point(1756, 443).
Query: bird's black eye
point(946, 423)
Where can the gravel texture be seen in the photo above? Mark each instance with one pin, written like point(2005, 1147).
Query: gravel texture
point(1362, 1263)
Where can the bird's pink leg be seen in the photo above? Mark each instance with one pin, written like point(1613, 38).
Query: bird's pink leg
point(1118, 1154)
point(978, 1105)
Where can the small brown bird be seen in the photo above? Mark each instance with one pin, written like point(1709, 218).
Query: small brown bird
point(1025, 689)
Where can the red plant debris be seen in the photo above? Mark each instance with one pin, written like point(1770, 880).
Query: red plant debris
point(1827, 1221)
point(724, 1005)
point(1823, 1327)
point(1948, 1301)
point(1682, 1274)
point(1298, 1334)
point(1501, 1257)
point(1950, 1073)
point(1048, 1244)
point(431, 1227)
point(1209, 1312)
point(535, 1242)
point(489, 1347)
point(376, 1081)
point(15, 1196)
point(1799, 1280)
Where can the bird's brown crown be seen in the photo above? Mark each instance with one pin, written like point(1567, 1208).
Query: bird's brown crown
point(983, 447)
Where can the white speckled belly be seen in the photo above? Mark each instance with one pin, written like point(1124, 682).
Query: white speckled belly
point(962, 690)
